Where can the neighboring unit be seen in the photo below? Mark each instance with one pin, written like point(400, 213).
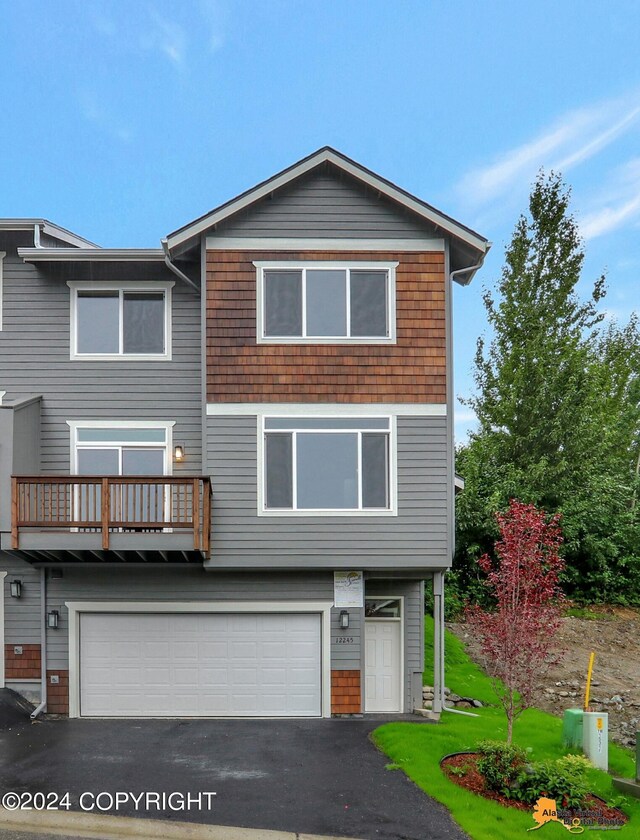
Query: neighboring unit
point(226, 465)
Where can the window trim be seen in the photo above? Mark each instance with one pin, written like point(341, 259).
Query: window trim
point(151, 286)
point(165, 425)
point(301, 265)
point(392, 510)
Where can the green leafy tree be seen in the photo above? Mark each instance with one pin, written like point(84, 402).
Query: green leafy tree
point(558, 404)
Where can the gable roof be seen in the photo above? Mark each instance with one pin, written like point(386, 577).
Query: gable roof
point(48, 228)
point(465, 235)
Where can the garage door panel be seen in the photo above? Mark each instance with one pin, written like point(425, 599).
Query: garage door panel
point(209, 664)
point(244, 649)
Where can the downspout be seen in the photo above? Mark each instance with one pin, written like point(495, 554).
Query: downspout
point(174, 268)
point(43, 645)
point(36, 236)
point(439, 703)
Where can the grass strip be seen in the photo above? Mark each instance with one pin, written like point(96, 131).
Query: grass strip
point(418, 748)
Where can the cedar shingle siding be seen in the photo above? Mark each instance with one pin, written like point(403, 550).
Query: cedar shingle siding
point(240, 370)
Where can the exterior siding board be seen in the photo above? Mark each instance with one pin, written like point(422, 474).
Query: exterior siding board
point(328, 203)
point(416, 537)
point(34, 359)
point(21, 615)
point(192, 583)
point(412, 370)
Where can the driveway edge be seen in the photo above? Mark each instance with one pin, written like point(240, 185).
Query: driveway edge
point(101, 826)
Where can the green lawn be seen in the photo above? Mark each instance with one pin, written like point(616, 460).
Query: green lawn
point(417, 749)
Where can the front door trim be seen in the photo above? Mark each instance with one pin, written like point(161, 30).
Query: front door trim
point(77, 607)
point(402, 627)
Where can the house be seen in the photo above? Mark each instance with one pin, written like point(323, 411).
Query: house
point(226, 464)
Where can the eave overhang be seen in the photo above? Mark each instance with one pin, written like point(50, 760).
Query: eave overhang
point(467, 237)
point(49, 229)
point(91, 254)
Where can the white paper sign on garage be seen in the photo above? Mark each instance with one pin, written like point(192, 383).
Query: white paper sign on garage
point(348, 589)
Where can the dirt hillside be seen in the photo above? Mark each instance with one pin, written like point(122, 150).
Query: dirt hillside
point(614, 635)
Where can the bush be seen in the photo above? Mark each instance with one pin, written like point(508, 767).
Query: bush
point(564, 780)
point(501, 765)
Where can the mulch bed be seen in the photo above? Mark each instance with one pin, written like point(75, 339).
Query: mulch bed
point(473, 780)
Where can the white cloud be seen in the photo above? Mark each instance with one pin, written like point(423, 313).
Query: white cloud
point(616, 205)
point(165, 36)
point(214, 15)
point(571, 140)
point(94, 111)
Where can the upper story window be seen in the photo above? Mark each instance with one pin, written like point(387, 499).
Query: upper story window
point(318, 465)
point(116, 322)
point(326, 302)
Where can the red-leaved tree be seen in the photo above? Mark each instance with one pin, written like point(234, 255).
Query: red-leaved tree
point(517, 634)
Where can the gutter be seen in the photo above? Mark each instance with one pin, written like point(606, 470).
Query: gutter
point(43, 646)
point(470, 270)
point(174, 268)
point(41, 254)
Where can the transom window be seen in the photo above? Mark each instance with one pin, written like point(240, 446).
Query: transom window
point(319, 464)
point(382, 608)
point(326, 302)
point(114, 323)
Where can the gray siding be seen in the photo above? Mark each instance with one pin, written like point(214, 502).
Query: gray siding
point(190, 583)
point(330, 204)
point(415, 538)
point(34, 359)
point(21, 615)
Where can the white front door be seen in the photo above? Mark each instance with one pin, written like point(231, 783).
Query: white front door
point(382, 665)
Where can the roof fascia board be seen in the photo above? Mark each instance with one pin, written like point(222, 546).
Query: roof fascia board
point(67, 236)
point(409, 201)
point(244, 200)
point(355, 170)
point(91, 254)
point(50, 229)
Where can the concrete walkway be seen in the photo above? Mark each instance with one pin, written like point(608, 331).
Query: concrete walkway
point(40, 825)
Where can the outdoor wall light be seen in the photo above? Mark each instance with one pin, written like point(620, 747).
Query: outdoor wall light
point(344, 620)
point(178, 452)
point(16, 588)
point(53, 619)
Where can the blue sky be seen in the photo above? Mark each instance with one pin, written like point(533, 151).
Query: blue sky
point(123, 120)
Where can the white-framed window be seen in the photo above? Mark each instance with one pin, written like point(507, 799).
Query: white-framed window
point(326, 302)
point(121, 321)
point(102, 448)
point(3, 254)
point(121, 447)
point(326, 465)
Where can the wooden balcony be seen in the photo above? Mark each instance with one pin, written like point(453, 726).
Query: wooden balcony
point(103, 513)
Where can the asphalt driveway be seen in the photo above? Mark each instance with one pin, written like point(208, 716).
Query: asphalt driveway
point(314, 776)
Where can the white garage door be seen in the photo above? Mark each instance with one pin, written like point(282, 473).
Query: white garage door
point(166, 665)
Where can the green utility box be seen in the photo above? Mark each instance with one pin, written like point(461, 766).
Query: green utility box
point(572, 728)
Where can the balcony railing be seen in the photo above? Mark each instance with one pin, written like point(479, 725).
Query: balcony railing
point(113, 504)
